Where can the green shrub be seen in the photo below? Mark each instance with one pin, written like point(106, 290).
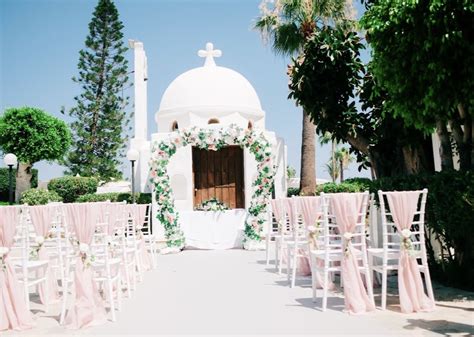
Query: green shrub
point(4, 188)
point(39, 196)
point(340, 188)
point(140, 198)
point(293, 191)
point(71, 188)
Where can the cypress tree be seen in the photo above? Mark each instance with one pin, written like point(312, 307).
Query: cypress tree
point(100, 117)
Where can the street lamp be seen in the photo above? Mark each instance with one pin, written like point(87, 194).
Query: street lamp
point(133, 156)
point(10, 160)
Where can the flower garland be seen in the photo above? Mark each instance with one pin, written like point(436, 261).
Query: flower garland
point(212, 205)
point(213, 140)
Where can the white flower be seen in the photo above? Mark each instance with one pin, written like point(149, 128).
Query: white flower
point(84, 248)
point(348, 235)
point(406, 233)
point(311, 229)
point(4, 251)
point(39, 239)
point(108, 239)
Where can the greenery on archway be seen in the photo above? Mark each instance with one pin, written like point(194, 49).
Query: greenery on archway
point(212, 140)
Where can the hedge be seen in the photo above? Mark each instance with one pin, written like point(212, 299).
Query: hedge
point(39, 196)
point(70, 188)
point(4, 187)
point(140, 198)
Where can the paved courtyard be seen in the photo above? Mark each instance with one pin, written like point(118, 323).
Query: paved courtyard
point(233, 293)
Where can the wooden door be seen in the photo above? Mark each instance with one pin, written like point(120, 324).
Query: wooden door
point(220, 175)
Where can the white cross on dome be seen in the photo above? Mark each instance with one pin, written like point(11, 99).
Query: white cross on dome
point(209, 54)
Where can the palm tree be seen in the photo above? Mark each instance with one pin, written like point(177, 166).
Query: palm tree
point(289, 24)
point(332, 170)
point(344, 158)
point(323, 140)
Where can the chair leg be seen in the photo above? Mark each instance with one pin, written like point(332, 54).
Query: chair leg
point(280, 257)
point(384, 288)
point(267, 253)
point(119, 294)
point(429, 287)
point(111, 299)
point(325, 288)
point(295, 267)
point(127, 278)
point(64, 302)
point(289, 257)
point(314, 272)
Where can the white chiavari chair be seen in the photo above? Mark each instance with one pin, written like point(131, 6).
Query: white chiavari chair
point(330, 248)
point(389, 254)
point(298, 245)
point(26, 265)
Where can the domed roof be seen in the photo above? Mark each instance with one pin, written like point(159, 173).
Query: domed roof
point(210, 89)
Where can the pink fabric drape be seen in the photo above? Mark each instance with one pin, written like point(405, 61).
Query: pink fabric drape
point(139, 213)
point(13, 310)
point(303, 267)
point(42, 217)
point(277, 210)
point(87, 308)
point(346, 207)
point(310, 209)
point(403, 206)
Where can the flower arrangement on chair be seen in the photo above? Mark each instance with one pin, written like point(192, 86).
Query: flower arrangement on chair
point(212, 204)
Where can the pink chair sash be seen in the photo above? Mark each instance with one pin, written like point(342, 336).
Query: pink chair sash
point(42, 217)
point(310, 209)
point(403, 206)
point(13, 311)
point(277, 210)
point(87, 308)
point(346, 207)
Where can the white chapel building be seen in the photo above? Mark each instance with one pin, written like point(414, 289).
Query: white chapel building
point(210, 96)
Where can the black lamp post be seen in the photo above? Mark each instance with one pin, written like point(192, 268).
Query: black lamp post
point(10, 160)
point(133, 156)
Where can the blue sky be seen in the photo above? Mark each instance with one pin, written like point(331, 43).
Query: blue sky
point(40, 41)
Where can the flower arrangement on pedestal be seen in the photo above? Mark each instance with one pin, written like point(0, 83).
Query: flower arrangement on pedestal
point(213, 140)
point(212, 205)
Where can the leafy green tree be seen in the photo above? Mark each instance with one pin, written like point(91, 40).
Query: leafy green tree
point(100, 116)
point(422, 56)
point(325, 80)
point(32, 135)
point(290, 172)
point(289, 24)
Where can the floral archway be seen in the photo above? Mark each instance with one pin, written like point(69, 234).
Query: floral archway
point(212, 140)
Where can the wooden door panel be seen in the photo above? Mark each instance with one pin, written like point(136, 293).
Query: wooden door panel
point(219, 174)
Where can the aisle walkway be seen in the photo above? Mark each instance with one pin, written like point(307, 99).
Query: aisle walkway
point(233, 292)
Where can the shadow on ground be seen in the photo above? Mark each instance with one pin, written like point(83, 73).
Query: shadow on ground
point(442, 327)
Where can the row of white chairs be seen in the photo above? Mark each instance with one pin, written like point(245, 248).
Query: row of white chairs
point(321, 242)
point(116, 257)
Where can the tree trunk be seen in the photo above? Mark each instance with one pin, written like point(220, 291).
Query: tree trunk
point(445, 150)
point(308, 154)
point(333, 160)
point(23, 179)
point(463, 137)
point(341, 168)
point(411, 158)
